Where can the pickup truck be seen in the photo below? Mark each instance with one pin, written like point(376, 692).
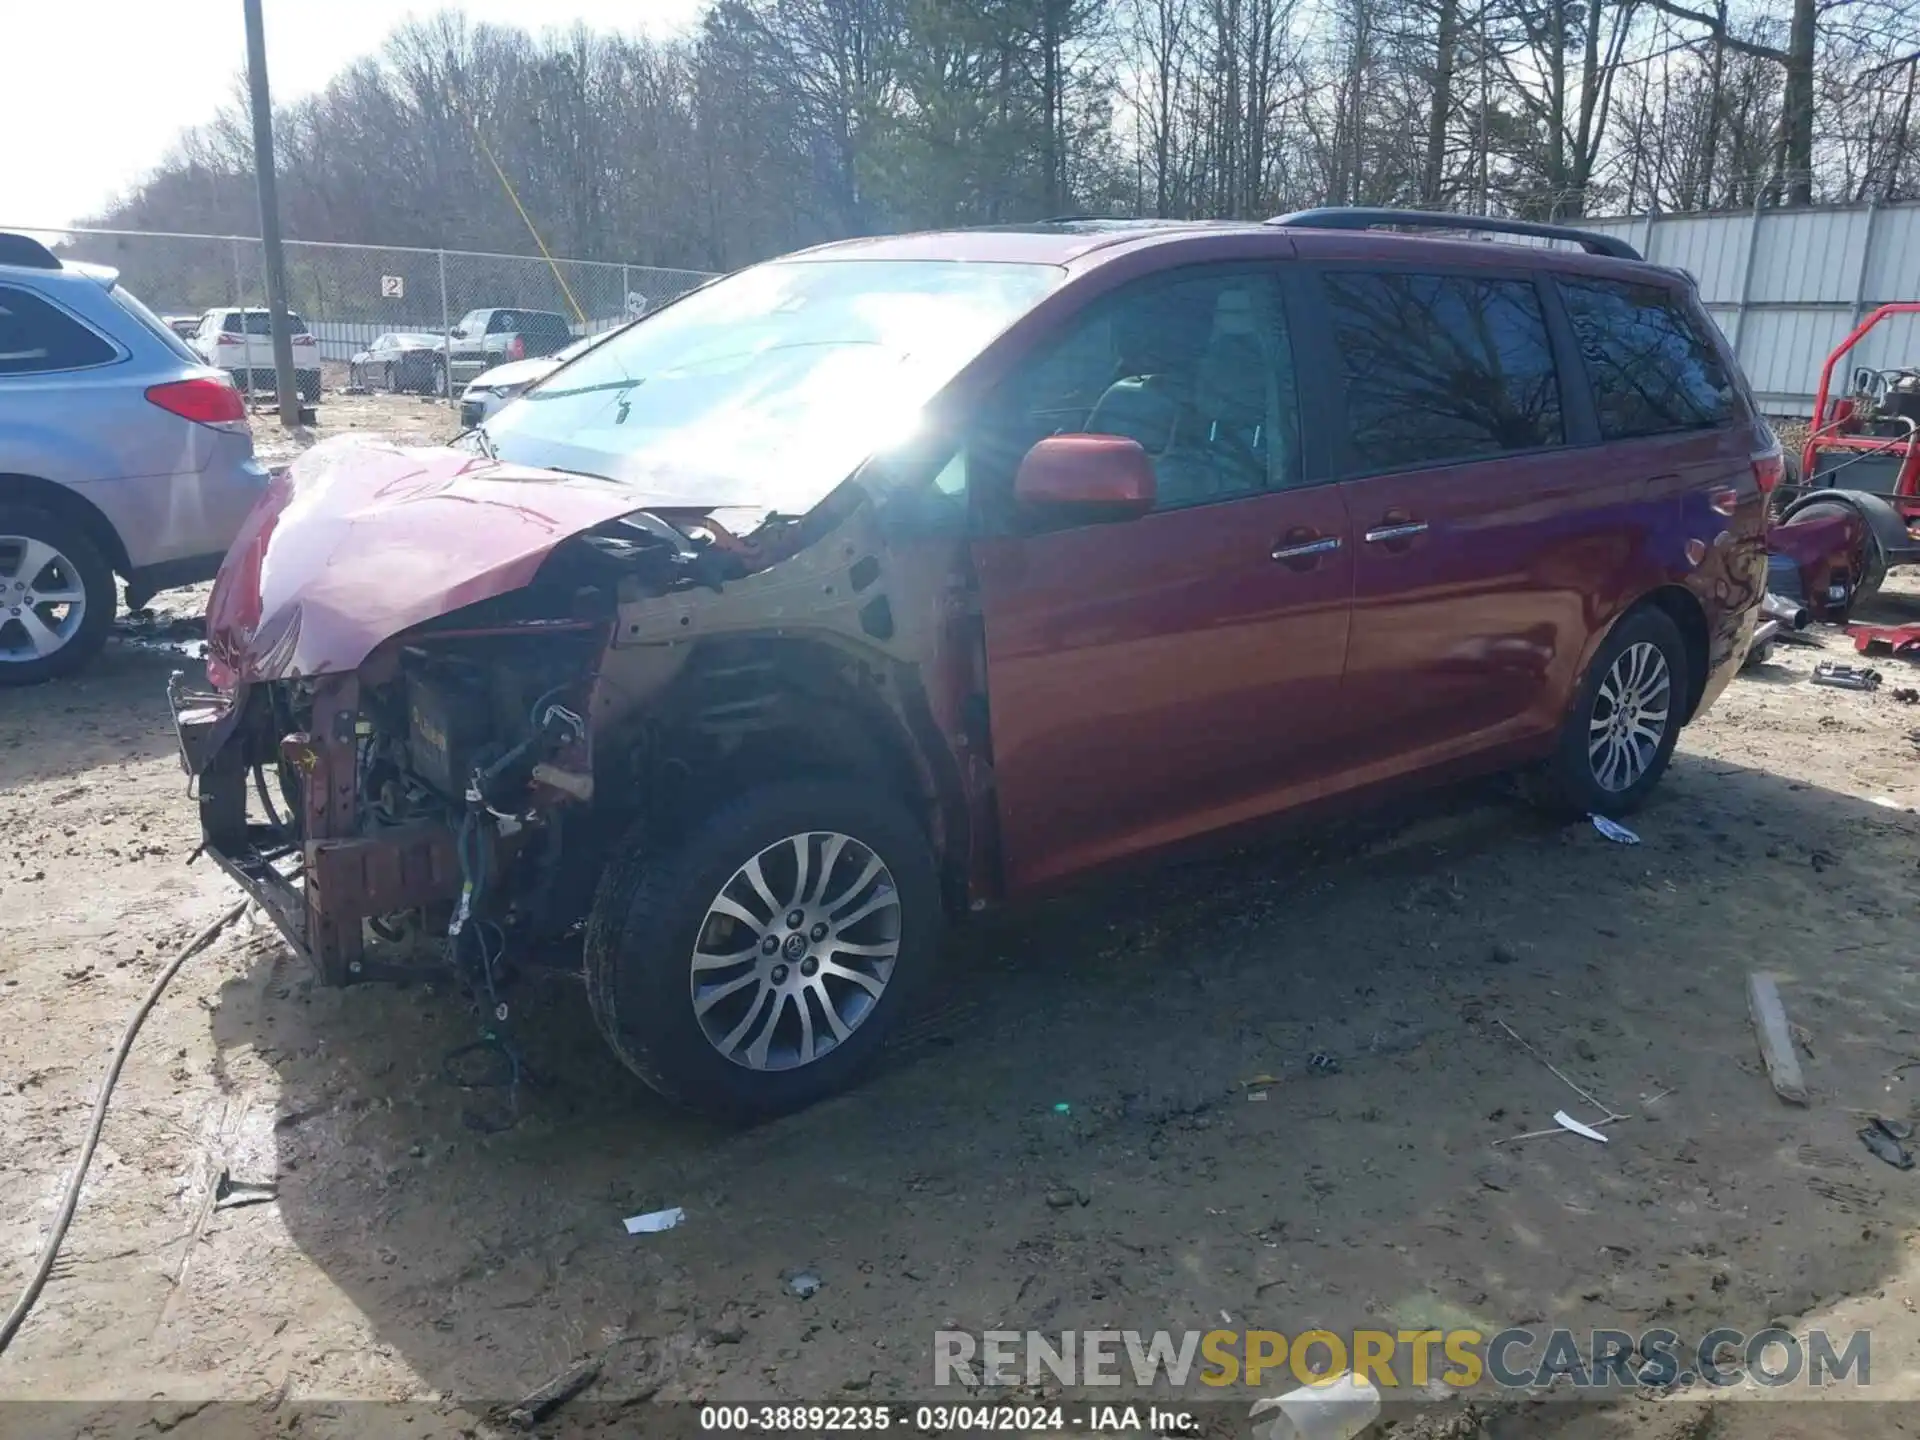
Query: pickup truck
point(494, 336)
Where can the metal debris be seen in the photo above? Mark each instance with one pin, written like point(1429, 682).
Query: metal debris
point(654, 1221)
point(1614, 831)
point(231, 1194)
point(1886, 1147)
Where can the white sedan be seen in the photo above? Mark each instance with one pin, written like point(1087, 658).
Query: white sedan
point(491, 389)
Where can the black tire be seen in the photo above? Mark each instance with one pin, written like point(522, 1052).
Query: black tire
point(649, 913)
point(436, 378)
point(96, 582)
point(1873, 558)
point(1570, 785)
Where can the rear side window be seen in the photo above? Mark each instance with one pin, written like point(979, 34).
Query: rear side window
point(504, 322)
point(154, 325)
point(1441, 368)
point(1652, 369)
point(36, 336)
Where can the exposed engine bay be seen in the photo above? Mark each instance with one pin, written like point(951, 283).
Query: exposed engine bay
point(452, 801)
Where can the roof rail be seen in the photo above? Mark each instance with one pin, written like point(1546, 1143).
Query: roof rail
point(26, 251)
point(1340, 217)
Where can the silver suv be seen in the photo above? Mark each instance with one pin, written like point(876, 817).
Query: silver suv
point(121, 452)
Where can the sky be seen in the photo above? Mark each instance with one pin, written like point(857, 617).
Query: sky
point(87, 109)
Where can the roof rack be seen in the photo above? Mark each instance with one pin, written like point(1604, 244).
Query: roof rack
point(25, 251)
point(1340, 217)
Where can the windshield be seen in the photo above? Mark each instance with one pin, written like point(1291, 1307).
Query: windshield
point(768, 388)
point(259, 322)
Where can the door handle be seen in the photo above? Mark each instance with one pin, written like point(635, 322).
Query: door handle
point(1326, 545)
point(1386, 534)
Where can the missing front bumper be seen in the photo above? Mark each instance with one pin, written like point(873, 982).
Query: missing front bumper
point(317, 880)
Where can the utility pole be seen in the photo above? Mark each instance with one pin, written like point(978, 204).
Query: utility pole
point(285, 385)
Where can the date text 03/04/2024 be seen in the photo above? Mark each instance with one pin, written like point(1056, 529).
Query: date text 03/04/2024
point(943, 1418)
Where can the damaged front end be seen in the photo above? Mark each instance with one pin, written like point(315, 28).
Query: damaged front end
point(443, 689)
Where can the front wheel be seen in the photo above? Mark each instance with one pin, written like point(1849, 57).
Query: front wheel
point(757, 965)
point(1625, 719)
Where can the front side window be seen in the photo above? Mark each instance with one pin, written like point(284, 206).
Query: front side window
point(1652, 370)
point(770, 387)
point(1197, 369)
point(36, 336)
point(1442, 368)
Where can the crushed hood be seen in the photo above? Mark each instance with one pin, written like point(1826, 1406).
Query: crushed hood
point(362, 539)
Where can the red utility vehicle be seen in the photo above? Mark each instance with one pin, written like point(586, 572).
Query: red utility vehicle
point(905, 576)
point(1862, 459)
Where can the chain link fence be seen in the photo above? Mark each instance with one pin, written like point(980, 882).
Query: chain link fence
point(348, 296)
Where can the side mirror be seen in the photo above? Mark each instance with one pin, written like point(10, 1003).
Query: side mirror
point(1109, 476)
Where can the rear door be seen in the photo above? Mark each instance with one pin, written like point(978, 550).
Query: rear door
point(1475, 549)
point(1670, 415)
point(1157, 678)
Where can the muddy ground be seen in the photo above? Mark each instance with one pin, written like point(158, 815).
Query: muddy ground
point(411, 1256)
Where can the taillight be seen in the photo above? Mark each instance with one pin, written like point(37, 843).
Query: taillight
point(516, 348)
point(208, 400)
point(1769, 468)
point(303, 338)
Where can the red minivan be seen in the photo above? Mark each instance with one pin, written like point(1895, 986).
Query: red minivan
point(905, 576)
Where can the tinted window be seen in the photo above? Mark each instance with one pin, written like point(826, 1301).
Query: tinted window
point(1442, 367)
point(1198, 371)
point(1652, 369)
point(503, 322)
point(552, 329)
point(34, 336)
point(258, 322)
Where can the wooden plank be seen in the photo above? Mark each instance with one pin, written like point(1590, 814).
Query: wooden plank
point(1776, 1040)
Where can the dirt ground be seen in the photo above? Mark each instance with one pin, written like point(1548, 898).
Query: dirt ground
point(412, 1257)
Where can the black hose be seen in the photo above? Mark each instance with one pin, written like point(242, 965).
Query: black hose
point(273, 815)
point(50, 1252)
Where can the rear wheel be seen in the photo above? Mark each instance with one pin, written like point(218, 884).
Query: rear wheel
point(1625, 719)
point(436, 378)
point(757, 965)
point(57, 597)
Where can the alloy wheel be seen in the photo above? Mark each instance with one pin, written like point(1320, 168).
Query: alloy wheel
point(42, 599)
point(1630, 715)
point(795, 951)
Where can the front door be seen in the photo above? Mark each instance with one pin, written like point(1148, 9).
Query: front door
point(1153, 679)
